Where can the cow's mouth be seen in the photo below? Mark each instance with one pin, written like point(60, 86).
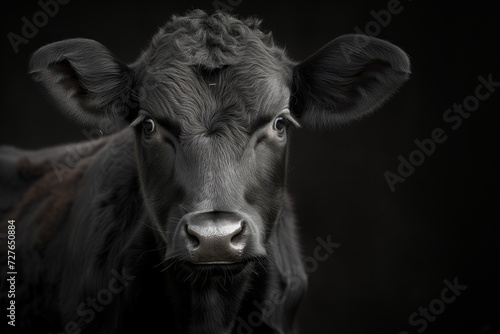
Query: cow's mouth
point(188, 270)
point(218, 268)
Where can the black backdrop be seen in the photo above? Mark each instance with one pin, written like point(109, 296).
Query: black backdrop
point(398, 247)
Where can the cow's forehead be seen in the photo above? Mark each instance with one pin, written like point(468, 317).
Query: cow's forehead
point(200, 66)
point(202, 70)
point(197, 99)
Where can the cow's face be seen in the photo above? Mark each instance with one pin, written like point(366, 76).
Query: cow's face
point(211, 149)
point(211, 103)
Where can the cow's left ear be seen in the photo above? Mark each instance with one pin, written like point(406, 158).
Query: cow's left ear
point(86, 80)
point(348, 78)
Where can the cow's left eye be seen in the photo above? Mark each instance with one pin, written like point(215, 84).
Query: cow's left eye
point(148, 125)
point(280, 124)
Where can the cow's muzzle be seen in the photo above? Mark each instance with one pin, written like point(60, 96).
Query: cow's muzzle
point(214, 237)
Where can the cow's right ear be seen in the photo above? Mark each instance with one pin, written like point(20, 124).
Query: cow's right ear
point(87, 81)
point(347, 79)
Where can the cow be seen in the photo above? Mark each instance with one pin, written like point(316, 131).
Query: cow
point(177, 218)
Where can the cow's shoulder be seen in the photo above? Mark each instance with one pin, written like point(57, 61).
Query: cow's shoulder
point(39, 186)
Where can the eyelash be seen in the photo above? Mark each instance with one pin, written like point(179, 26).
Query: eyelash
point(138, 120)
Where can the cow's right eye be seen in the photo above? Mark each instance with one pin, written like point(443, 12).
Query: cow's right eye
point(148, 125)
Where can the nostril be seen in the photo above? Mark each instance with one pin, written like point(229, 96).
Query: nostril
point(238, 234)
point(193, 239)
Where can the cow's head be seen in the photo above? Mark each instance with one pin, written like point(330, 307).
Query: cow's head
point(211, 102)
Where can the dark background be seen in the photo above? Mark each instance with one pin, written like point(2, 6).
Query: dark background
point(396, 248)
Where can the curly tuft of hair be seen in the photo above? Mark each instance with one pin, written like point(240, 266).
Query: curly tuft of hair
point(211, 41)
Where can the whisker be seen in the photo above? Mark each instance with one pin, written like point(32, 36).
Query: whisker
point(147, 251)
point(174, 261)
point(152, 227)
point(220, 283)
point(184, 208)
point(206, 276)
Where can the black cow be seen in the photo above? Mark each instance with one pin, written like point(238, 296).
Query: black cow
point(177, 221)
